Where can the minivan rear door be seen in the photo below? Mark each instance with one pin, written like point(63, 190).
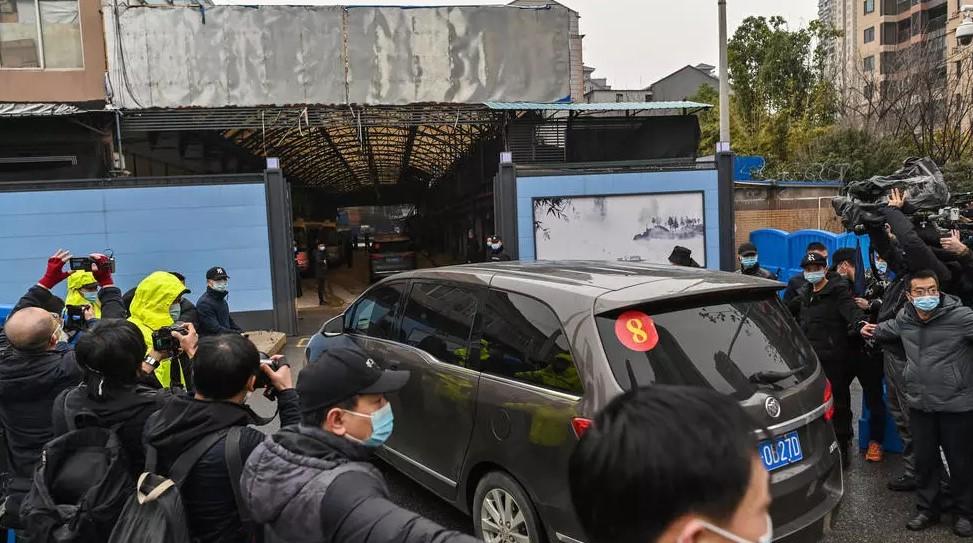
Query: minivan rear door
point(434, 412)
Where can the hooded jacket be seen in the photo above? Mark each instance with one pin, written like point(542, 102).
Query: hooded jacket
point(207, 492)
point(829, 318)
point(214, 314)
point(128, 405)
point(938, 371)
point(308, 485)
point(77, 280)
point(150, 311)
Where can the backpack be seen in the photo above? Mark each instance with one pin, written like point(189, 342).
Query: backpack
point(156, 513)
point(79, 486)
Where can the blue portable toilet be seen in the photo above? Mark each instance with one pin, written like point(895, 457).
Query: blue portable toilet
point(4, 313)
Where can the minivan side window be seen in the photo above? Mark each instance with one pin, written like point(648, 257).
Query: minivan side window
point(374, 314)
point(525, 342)
point(438, 319)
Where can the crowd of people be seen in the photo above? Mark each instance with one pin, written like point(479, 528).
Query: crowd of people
point(907, 319)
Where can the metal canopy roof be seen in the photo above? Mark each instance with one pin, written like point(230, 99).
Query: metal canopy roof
point(609, 106)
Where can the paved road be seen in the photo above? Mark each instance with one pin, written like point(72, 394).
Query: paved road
point(869, 512)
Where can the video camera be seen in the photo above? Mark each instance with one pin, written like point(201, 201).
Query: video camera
point(163, 341)
point(263, 381)
point(86, 263)
point(74, 320)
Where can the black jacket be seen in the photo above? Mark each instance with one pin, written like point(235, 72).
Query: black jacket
point(214, 314)
point(129, 405)
point(758, 271)
point(207, 492)
point(308, 485)
point(829, 319)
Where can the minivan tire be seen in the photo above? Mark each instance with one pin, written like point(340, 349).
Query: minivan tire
point(496, 487)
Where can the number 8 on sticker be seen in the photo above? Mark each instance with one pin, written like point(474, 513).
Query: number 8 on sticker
point(636, 330)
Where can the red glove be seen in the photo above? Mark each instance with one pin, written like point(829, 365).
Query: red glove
point(103, 273)
point(55, 272)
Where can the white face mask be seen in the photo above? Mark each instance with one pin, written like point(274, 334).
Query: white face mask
point(768, 536)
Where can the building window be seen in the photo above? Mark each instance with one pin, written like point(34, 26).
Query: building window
point(619, 97)
point(870, 34)
point(648, 97)
point(869, 6)
point(40, 34)
point(869, 64)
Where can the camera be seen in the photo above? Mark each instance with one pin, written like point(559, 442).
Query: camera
point(263, 381)
point(85, 263)
point(74, 318)
point(163, 341)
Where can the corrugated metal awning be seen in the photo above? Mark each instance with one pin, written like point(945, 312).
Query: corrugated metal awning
point(609, 106)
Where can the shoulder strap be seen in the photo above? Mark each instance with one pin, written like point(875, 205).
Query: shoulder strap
point(184, 463)
point(64, 412)
point(234, 464)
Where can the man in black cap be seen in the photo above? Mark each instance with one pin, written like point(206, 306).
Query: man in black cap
point(212, 309)
point(681, 256)
point(750, 264)
point(313, 482)
point(829, 318)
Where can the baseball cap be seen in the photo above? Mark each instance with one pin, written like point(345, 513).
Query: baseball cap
point(813, 258)
point(216, 273)
point(340, 373)
point(747, 249)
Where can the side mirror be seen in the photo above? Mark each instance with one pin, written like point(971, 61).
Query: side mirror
point(334, 327)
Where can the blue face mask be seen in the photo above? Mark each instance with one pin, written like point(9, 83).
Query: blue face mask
point(748, 261)
point(90, 296)
point(926, 303)
point(220, 286)
point(814, 277)
point(175, 311)
point(382, 422)
point(882, 267)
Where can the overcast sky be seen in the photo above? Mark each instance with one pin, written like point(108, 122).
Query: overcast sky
point(636, 42)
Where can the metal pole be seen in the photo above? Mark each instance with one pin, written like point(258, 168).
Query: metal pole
point(724, 83)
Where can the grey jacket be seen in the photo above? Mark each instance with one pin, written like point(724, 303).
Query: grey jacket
point(308, 485)
point(938, 372)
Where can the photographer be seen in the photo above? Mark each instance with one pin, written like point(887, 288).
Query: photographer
point(187, 310)
point(226, 370)
point(157, 304)
point(83, 290)
point(35, 367)
point(111, 357)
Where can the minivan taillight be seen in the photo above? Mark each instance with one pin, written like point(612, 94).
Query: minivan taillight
point(828, 398)
point(580, 426)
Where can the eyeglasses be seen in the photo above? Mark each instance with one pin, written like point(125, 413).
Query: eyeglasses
point(931, 291)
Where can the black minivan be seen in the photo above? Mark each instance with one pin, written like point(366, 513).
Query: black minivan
point(510, 362)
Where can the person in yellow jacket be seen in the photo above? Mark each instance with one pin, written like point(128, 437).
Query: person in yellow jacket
point(83, 290)
point(156, 304)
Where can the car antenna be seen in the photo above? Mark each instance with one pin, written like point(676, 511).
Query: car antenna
point(631, 374)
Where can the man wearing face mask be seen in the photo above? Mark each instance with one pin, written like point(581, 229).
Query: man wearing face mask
point(225, 372)
point(936, 332)
point(158, 302)
point(830, 318)
point(495, 252)
point(313, 482)
point(213, 311)
point(629, 483)
point(750, 264)
point(35, 367)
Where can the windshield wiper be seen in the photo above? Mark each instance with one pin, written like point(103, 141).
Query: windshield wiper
point(772, 377)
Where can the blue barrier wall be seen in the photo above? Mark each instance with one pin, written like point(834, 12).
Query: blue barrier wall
point(781, 252)
point(705, 181)
point(185, 228)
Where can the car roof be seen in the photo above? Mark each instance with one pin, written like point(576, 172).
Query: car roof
point(615, 284)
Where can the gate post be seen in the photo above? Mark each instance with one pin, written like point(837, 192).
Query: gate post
point(281, 236)
point(724, 166)
point(505, 209)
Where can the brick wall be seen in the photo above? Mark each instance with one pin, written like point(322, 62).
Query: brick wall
point(748, 220)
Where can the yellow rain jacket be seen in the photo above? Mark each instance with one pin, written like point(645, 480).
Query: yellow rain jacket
point(150, 311)
point(77, 280)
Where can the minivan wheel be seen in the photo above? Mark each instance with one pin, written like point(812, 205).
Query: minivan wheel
point(502, 512)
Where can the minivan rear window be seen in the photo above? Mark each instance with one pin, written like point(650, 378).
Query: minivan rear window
point(735, 346)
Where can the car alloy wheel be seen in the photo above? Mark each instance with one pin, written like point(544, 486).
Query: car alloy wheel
point(502, 520)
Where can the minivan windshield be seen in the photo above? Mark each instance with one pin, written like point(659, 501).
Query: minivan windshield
point(735, 346)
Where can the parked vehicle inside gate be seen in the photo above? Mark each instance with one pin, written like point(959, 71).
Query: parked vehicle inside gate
point(511, 361)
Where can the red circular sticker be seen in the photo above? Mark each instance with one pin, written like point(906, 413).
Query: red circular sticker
point(636, 331)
